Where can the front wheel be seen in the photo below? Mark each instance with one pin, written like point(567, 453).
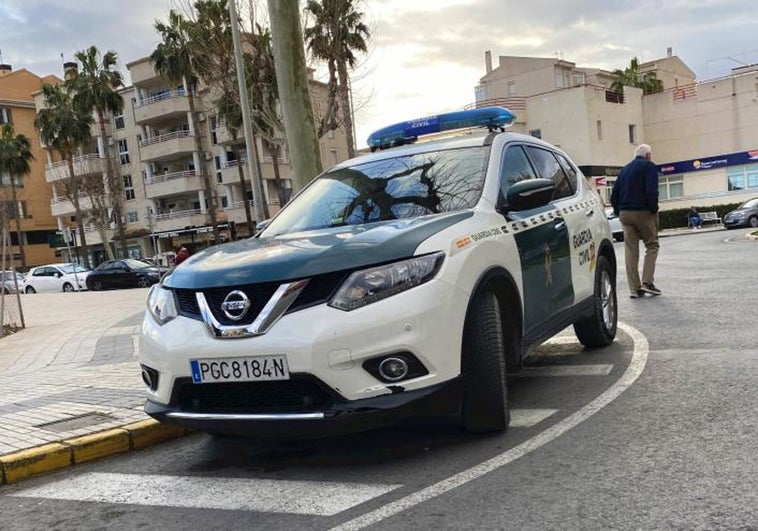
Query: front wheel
point(30, 289)
point(97, 285)
point(485, 402)
point(143, 282)
point(753, 221)
point(68, 288)
point(599, 329)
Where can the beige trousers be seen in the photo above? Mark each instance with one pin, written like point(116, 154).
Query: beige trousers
point(639, 225)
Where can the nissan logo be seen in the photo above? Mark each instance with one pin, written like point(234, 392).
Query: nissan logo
point(235, 305)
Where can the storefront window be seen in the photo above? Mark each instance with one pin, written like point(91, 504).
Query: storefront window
point(671, 187)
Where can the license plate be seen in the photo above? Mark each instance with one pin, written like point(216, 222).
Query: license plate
point(240, 369)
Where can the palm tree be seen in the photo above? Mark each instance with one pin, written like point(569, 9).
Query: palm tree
point(631, 76)
point(96, 86)
point(336, 34)
point(15, 161)
point(174, 60)
point(64, 127)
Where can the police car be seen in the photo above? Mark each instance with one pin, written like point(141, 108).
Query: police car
point(404, 283)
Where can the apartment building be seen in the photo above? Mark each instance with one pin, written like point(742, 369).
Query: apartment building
point(703, 134)
point(33, 195)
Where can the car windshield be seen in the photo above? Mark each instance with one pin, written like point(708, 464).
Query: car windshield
point(403, 187)
point(750, 204)
point(70, 268)
point(136, 264)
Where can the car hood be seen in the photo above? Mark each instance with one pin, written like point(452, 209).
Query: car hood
point(741, 211)
point(305, 254)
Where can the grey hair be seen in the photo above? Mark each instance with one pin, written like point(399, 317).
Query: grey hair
point(643, 150)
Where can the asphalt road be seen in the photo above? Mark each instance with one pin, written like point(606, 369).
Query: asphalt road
point(658, 431)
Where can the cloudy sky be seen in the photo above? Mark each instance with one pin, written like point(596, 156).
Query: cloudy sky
point(425, 56)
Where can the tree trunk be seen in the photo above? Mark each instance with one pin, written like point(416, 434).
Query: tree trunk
point(346, 108)
point(243, 187)
point(261, 181)
point(210, 197)
point(21, 250)
point(275, 150)
point(294, 98)
point(115, 186)
point(74, 198)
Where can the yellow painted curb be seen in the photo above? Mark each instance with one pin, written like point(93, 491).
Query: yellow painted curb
point(25, 463)
point(97, 445)
point(148, 432)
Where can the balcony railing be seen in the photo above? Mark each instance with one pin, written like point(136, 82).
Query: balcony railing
point(513, 103)
point(165, 137)
point(162, 178)
point(161, 97)
point(178, 214)
point(77, 159)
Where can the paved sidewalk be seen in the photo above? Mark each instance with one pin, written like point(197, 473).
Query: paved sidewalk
point(72, 372)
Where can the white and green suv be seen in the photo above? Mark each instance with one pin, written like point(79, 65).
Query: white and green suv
point(398, 284)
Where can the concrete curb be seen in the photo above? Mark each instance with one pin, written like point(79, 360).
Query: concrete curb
point(53, 456)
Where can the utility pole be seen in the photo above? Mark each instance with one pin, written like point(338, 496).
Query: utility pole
point(247, 125)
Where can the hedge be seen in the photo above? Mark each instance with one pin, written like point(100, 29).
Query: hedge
point(677, 217)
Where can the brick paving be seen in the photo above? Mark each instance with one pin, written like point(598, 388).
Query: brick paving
point(73, 371)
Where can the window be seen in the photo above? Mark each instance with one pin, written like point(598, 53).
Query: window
point(123, 151)
point(119, 120)
point(5, 181)
point(548, 167)
point(577, 79)
point(568, 169)
point(132, 217)
point(742, 177)
point(224, 201)
point(128, 187)
point(511, 88)
point(599, 130)
point(5, 116)
point(632, 134)
point(515, 168)
point(671, 187)
point(334, 156)
point(536, 133)
point(13, 210)
point(214, 127)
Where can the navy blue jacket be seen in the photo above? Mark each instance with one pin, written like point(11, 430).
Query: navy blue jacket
point(636, 187)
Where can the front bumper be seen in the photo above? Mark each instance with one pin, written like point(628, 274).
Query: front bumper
point(335, 418)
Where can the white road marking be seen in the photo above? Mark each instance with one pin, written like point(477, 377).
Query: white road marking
point(636, 366)
point(562, 340)
point(319, 498)
point(565, 370)
point(526, 418)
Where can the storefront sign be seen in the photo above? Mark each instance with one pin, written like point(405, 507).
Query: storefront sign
point(709, 163)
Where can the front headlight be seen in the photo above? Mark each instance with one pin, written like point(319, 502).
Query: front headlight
point(161, 305)
point(371, 285)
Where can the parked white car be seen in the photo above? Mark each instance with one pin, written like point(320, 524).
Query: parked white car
point(56, 277)
point(8, 284)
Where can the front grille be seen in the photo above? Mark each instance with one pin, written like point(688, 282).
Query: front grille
point(299, 395)
point(318, 290)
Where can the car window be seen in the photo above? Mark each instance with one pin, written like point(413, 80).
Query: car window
point(131, 263)
point(38, 272)
point(548, 167)
point(70, 268)
point(516, 167)
point(750, 204)
point(568, 169)
point(406, 186)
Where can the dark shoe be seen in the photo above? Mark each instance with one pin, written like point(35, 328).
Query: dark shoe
point(638, 294)
point(650, 288)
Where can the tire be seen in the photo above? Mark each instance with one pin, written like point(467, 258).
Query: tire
point(30, 289)
point(68, 288)
point(143, 282)
point(599, 329)
point(485, 400)
point(97, 285)
point(753, 221)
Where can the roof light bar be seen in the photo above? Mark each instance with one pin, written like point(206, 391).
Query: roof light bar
point(407, 132)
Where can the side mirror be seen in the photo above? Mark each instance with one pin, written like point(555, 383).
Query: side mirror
point(58, 274)
point(529, 194)
point(262, 225)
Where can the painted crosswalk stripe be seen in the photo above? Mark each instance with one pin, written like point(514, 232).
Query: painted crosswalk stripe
point(319, 498)
point(565, 370)
point(526, 418)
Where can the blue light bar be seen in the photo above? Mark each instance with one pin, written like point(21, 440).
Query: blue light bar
point(406, 132)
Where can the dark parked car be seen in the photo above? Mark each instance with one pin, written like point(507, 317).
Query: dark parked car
point(744, 216)
point(126, 273)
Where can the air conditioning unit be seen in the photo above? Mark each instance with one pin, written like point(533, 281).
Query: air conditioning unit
point(111, 141)
point(208, 155)
point(201, 117)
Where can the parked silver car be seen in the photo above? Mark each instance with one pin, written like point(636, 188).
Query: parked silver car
point(615, 223)
point(746, 215)
point(8, 284)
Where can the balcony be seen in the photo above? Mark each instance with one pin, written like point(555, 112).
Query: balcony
point(167, 146)
point(230, 172)
point(236, 212)
point(164, 106)
point(64, 207)
point(176, 183)
point(89, 164)
point(142, 71)
point(171, 221)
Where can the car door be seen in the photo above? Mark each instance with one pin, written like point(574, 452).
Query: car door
point(578, 215)
point(542, 239)
point(122, 275)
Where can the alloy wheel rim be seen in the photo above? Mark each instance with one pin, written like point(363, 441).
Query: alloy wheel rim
point(606, 300)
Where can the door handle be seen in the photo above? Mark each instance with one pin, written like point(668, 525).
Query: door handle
point(559, 225)
point(589, 213)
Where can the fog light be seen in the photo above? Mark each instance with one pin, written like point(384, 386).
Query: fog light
point(150, 377)
point(393, 369)
point(146, 378)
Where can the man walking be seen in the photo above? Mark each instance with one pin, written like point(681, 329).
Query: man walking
point(635, 202)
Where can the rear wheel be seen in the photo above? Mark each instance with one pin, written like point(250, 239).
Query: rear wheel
point(485, 402)
point(68, 288)
point(97, 285)
point(30, 289)
point(143, 282)
point(599, 329)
